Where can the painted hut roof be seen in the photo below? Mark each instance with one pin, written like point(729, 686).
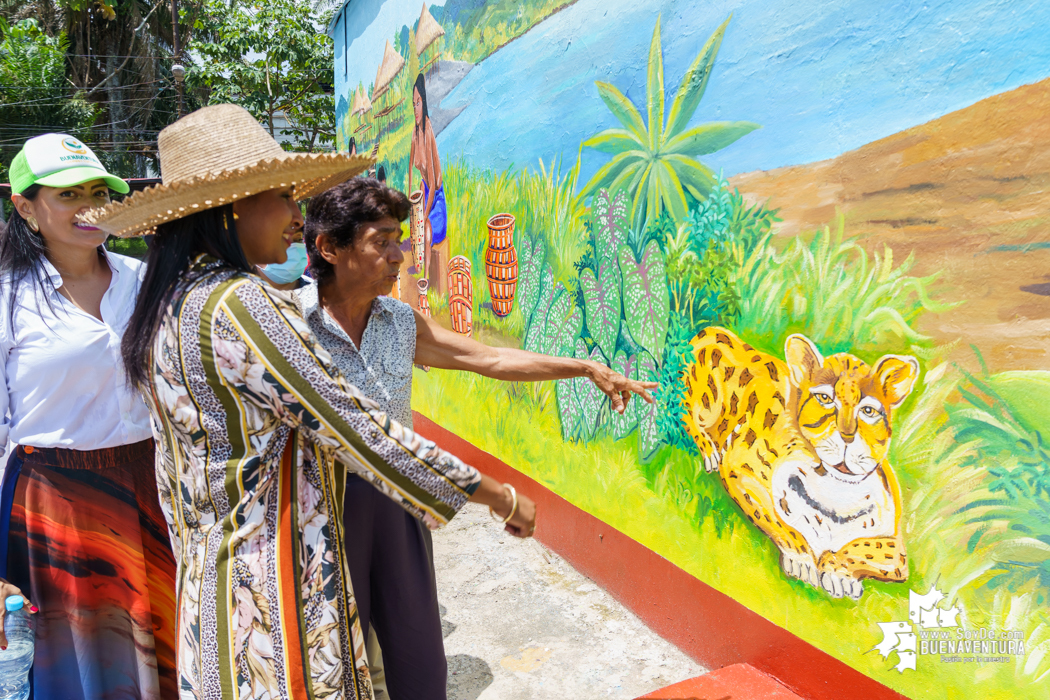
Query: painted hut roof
point(428, 32)
point(388, 70)
point(366, 104)
point(356, 106)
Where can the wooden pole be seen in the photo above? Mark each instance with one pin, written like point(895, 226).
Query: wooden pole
point(177, 48)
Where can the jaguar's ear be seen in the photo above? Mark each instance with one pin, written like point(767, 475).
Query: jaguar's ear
point(896, 376)
point(802, 358)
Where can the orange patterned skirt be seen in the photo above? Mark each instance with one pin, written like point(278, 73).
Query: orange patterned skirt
point(87, 543)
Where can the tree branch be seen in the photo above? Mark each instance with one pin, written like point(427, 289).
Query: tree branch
point(134, 35)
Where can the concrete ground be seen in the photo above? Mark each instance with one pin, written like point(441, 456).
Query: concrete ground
point(520, 623)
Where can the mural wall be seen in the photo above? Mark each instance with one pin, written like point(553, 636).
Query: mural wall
point(823, 228)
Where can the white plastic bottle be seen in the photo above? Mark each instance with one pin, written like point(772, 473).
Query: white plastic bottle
point(16, 661)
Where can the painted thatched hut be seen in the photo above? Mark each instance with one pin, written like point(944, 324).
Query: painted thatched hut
point(428, 34)
point(360, 107)
point(392, 64)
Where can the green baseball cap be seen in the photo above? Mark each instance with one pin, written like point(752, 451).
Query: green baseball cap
point(59, 160)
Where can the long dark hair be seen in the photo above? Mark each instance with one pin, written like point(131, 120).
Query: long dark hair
point(421, 88)
point(22, 252)
point(172, 250)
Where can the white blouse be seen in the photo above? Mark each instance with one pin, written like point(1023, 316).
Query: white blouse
point(63, 381)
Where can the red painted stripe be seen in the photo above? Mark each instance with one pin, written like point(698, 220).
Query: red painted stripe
point(736, 681)
point(288, 583)
point(703, 622)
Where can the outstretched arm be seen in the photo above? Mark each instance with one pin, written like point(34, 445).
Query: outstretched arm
point(439, 347)
point(264, 351)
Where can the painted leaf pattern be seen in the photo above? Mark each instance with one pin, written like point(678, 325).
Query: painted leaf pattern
point(602, 301)
point(538, 321)
point(568, 410)
point(646, 303)
point(649, 433)
point(624, 425)
point(593, 403)
point(612, 222)
point(530, 270)
point(563, 324)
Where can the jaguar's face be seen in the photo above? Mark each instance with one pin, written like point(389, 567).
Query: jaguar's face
point(844, 407)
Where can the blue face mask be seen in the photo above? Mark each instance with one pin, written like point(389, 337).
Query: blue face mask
point(291, 269)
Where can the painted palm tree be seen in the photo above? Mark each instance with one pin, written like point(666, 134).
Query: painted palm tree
point(654, 160)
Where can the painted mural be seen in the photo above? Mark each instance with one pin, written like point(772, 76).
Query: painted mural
point(822, 228)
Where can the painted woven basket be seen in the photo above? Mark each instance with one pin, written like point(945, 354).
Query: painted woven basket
point(460, 295)
point(501, 263)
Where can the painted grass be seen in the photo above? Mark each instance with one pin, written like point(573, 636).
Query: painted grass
point(518, 423)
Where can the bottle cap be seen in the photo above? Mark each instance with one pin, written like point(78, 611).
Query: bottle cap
point(13, 603)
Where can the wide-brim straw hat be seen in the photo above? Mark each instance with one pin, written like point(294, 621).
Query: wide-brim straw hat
point(213, 157)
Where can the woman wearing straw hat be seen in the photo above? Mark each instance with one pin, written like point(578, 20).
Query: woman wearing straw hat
point(259, 428)
point(82, 534)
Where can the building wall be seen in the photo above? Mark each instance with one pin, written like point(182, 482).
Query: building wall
point(820, 230)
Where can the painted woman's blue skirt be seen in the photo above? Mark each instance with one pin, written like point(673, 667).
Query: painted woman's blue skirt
point(438, 214)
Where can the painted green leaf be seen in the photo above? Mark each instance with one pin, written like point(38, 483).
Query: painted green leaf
point(708, 138)
point(563, 322)
point(610, 221)
point(568, 410)
point(655, 89)
point(602, 300)
point(694, 82)
point(623, 109)
point(531, 262)
point(609, 172)
point(614, 141)
point(649, 438)
point(671, 191)
point(645, 298)
point(624, 425)
point(656, 162)
point(593, 403)
point(570, 331)
point(538, 322)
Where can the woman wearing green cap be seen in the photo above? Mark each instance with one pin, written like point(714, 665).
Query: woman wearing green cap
point(82, 535)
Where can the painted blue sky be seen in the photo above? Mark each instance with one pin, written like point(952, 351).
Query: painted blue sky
point(821, 78)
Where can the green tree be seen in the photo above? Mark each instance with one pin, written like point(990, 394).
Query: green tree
point(34, 95)
point(655, 160)
point(273, 59)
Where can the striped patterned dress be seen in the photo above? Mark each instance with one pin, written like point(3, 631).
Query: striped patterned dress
point(256, 429)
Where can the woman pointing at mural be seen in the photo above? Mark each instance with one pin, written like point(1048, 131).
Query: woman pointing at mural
point(353, 233)
point(424, 158)
point(260, 430)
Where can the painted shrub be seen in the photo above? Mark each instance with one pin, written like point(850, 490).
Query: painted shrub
point(822, 229)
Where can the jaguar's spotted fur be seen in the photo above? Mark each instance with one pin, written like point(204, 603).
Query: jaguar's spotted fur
point(800, 445)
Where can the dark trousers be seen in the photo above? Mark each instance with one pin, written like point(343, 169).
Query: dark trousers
point(391, 560)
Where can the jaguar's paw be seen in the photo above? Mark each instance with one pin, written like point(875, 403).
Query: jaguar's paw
point(841, 585)
point(800, 566)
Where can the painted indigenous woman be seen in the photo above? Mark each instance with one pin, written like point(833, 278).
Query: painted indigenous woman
point(423, 157)
point(82, 535)
point(259, 430)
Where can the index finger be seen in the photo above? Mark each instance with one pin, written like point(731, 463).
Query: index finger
point(640, 389)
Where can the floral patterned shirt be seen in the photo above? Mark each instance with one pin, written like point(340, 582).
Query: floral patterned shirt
point(257, 431)
point(382, 367)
